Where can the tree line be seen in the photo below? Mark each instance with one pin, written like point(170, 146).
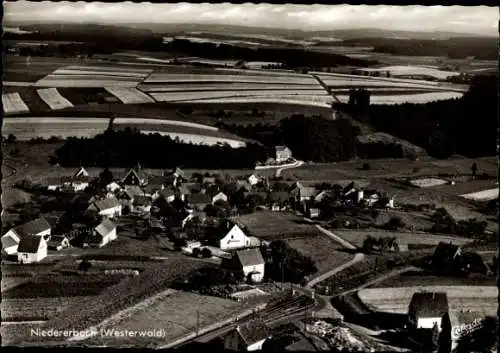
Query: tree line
point(464, 126)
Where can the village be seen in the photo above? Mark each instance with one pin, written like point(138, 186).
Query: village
point(247, 226)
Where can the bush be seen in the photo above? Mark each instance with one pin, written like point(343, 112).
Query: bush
point(206, 253)
point(394, 223)
point(366, 166)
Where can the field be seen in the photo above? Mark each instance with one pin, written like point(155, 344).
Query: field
point(409, 70)
point(326, 253)
point(128, 95)
point(34, 309)
point(13, 103)
point(176, 314)
point(78, 288)
point(484, 195)
point(53, 98)
point(276, 226)
point(410, 279)
point(357, 237)
point(427, 182)
point(418, 98)
point(397, 299)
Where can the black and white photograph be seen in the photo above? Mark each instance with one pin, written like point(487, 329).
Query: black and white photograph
point(250, 177)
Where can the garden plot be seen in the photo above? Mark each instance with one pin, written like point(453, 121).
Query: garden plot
point(85, 82)
point(296, 101)
point(189, 96)
point(54, 99)
point(164, 78)
point(484, 195)
point(428, 182)
point(30, 309)
point(418, 98)
point(13, 103)
point(130, 95)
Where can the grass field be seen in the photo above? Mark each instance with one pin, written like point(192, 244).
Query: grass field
point(411, 279)
point(326, 253)
point(176, 313)
point(357, 237)
point(275, 225)
point(33, 309)
point(397, 299)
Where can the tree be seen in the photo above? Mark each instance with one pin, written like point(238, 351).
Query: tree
point(435, 338)
point(196, 252)
point(206, 253)
point(11, 138)
point(84, 265)
point(474, 169)
point(105, 177)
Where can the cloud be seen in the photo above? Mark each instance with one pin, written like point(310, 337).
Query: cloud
point(478, 19)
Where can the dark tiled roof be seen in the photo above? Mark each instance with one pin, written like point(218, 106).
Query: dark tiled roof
point(307, 192)
point(134, 190)
point(29, 244)
point(429, 304)
point(105, 227)
point(167, 192)
point(107, 203)
point(250, 257)
point(280, 148)
point(253, 331)
point(183, 190)
point(80, 172)
point(33, 227)
point(199, 198)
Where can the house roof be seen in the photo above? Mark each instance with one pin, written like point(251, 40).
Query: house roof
point(107, 203)
point(33, 227)
point(250, 257)
point(134, 190)
point(105, 227)
point(348, 187)
point(138, 173)
point(256, 193)
point(192, 187)
point(219, 194)
point(199, 198)
point(210, 180)
point(445, 252)
point(243, 184)
point(151, 187)
point(183, 190)
point(57, 239)
point(307, 191)
point(429, 304)
point(179, 172)
point(280, 148)
point(167, 192)
point(142, 201)
point(7, 242)
point(29, 244)
point(81, 172)
point(253, 331)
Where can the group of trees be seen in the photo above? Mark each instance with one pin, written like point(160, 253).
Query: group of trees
point(284, 263)
point(382, 244)
point(465, 126)
point(446, 225)
point(124, 148)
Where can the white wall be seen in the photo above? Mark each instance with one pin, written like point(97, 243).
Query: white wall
point(112, 212)
point(36, 257)
point(234, 239)
point(256, 277)
point(45, 234)
point(219, 197)
point(257, 346)
point(11, 250)
point(12, 235)
point(428, 322)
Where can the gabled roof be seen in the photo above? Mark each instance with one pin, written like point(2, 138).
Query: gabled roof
point(105, 227)
point(429, 304)
point(137, 172)
point(167, 192)
point(179, 172)
point(250, 257)
point(193, 187)
point(183, 190)
point(256, 193)
point(57, 239)
point(29, 244)
point(243, 184)
point(280, 148)
point(7, 242)
point(253, 331)
point(210, 180)
point(348, 187)
point(307, 192)
point(33, 227)
point(106, 204)
point(81, 172)
point(134, 190)
point(198, 198)
point(156, 180)
point(218, 194)
point(82, 179)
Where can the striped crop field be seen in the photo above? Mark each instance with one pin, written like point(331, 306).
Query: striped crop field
point(271, 79)
point(53, 98)
point(46, 127)
point(408, 70)
point(228, 86)
point(130, 95)
point(313, 101)
point(12, 103)
point(121, 120)
point(484, 195)
point(94, 76)
point(417, 98)
point(183, 96)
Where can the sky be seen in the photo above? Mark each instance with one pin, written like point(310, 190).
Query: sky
point(460, 19)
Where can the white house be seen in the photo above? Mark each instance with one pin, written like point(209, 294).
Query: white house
point(251, 263)
point(283, 153)
point(104, 233)
point(427, 309)
point(253, 179)
point(81, 172)
point(234, 237)
point(108, 207)
point(113, 187)
point(10, 240)
point(219, 196)
point(31, 249)
point(58, 242)
point(249, 336)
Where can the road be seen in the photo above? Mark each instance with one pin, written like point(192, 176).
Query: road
point(357, 258)
point(279, 170)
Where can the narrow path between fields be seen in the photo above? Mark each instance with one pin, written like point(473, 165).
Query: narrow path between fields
point(279, 170)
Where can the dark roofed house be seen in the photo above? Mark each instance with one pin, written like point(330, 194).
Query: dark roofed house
point(248, 336)
point(39, 227)
point(109, 207)
point(81, 172)
point(133, 191)
point(168, 193)
point(427, 309)
point(199, 200)
point(104, 233)
point(58, 242)
point(135, 176)
point(252, 263)
point(31, 249)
